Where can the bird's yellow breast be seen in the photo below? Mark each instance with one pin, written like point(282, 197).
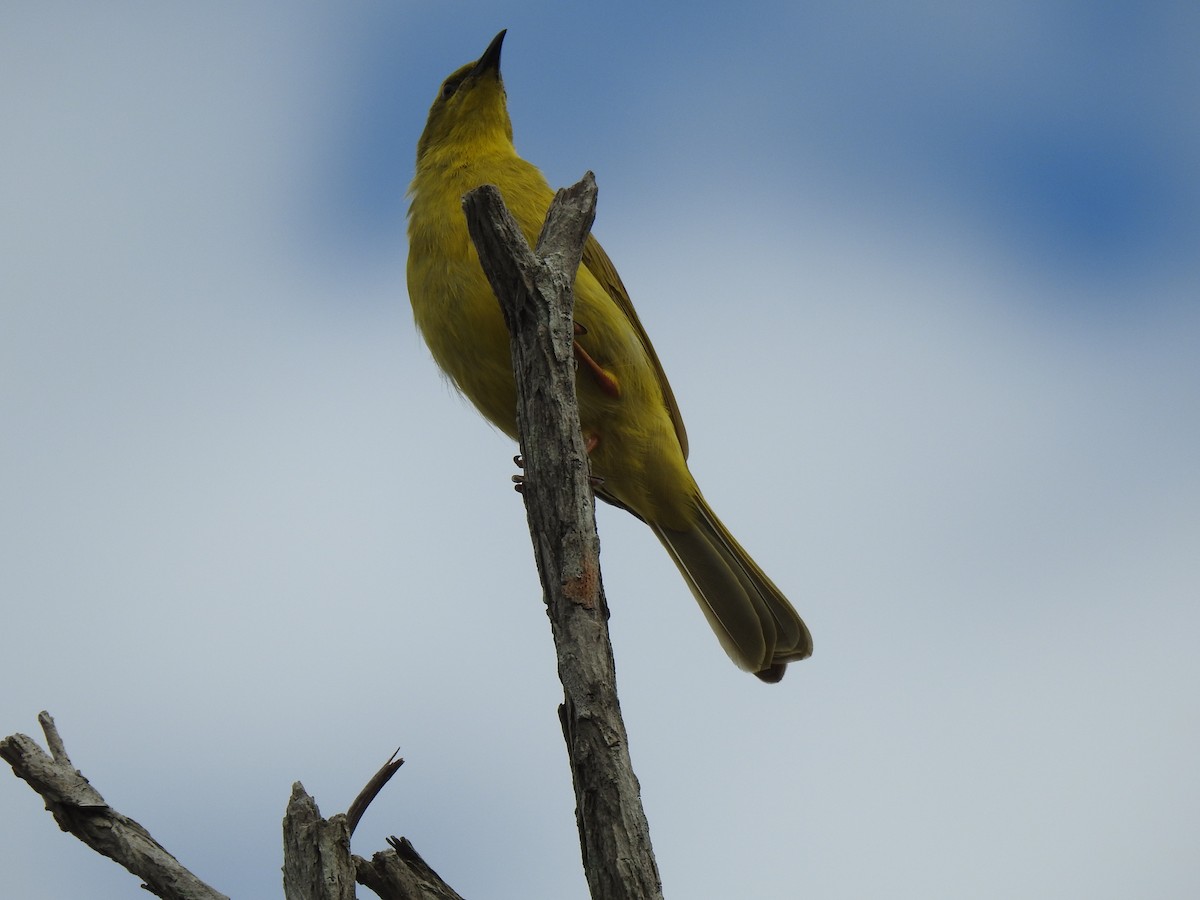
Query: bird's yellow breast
point(638, 452)
point(452, 301)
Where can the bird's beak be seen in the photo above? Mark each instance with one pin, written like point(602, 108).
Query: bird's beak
point(490, 61)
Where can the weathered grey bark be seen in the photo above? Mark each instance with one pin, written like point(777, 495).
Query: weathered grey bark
point(401, 874)
point(316, 852)
point(535, 290)
point(79, 809)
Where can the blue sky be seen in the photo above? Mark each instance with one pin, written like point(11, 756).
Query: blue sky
point(925, 281)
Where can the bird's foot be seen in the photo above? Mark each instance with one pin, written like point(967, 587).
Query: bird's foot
point(596, 481)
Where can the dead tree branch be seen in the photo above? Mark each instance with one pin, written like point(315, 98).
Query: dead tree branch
point(535, 290)
point(371, 790)
point(316, 852)
point(79, 809)
point(401, 874)
point(317, 862)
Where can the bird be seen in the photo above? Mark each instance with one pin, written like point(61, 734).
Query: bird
point(630, 420)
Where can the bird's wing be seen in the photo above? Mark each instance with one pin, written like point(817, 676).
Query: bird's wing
point(605, 272)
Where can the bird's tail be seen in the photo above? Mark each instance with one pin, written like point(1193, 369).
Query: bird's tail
point(752, 619)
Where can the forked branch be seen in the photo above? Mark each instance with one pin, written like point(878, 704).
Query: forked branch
point(535, 290)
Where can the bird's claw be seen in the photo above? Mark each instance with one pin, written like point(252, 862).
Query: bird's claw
point(594, 481)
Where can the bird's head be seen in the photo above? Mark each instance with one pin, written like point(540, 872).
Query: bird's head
point(470, 113)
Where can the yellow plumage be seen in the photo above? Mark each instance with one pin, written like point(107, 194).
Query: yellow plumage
point(627, 410)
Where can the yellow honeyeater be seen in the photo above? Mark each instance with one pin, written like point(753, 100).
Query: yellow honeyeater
point(629, 416)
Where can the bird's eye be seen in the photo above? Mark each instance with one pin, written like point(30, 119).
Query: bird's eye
point(448, 89)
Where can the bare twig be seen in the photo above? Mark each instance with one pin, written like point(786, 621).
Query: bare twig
point(54, 741)
point(79, 809)
point(535, 293)
point(371, 790)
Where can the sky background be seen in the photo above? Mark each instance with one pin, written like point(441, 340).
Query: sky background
point(925, 277)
